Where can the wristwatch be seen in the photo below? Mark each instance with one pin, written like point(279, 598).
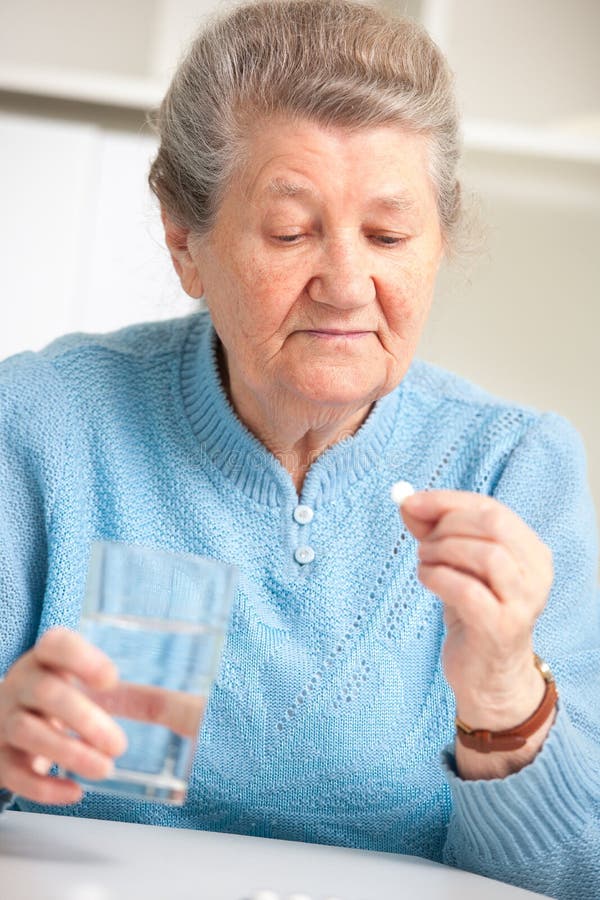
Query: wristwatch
point(484, 741)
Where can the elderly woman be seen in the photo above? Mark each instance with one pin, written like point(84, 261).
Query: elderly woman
point(308, 189)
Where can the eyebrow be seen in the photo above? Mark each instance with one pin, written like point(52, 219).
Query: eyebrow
point(281, 187)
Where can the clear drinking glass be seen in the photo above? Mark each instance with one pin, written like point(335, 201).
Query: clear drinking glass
point(161, 616)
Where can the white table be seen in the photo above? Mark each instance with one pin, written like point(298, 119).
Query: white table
point(46, 857)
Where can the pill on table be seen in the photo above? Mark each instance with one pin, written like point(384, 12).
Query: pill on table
point(400, 491)
point(265, 895)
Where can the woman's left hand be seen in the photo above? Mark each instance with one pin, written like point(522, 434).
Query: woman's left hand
point(493, 575)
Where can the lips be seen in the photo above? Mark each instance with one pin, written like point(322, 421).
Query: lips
point(336, 332)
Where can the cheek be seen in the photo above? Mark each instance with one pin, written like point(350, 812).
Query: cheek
point(408, 293)
point(266, 292)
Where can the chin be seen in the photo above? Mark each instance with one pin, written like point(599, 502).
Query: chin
point(339, 389)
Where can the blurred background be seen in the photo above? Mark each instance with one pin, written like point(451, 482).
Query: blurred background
point(80, 235)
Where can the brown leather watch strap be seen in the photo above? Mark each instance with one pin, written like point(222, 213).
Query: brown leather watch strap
point(512, 738)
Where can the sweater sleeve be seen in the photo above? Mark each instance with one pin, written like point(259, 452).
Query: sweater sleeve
point(33, 422)
point(540, 827)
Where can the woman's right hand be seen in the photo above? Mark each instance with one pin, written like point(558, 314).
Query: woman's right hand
point(40, 704)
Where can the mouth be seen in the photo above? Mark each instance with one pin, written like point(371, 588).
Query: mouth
point(333, 333)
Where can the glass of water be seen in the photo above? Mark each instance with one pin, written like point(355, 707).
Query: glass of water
point(161, 617)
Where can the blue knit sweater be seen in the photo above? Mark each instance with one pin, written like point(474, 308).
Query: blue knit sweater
point(330, 720)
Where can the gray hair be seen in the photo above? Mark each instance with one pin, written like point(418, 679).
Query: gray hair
point(333, 62)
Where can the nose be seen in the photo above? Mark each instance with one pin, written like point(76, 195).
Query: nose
point(343, 278)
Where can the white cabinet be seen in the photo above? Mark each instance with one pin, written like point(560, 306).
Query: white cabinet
point(118, 52)
point(80, 234)
point(527, 73)
point(44, 183)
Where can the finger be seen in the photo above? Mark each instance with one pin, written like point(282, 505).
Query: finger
point(531, 557)
point(462, 593)
point(24, 730)
point(18, 776)
point(429, 506)
point(68, 651)
point(486, 560)
point(471, 515)
point(52, 696)
point(177, 710)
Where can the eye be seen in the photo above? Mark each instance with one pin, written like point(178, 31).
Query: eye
point(388, 240)
point(287, 238)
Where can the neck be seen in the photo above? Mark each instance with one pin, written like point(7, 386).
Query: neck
point(295, 434)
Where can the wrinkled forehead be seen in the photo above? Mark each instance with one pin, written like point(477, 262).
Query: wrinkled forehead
point(283, 188)
point(385, 167)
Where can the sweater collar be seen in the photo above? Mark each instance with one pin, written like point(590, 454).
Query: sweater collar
point(244, 460)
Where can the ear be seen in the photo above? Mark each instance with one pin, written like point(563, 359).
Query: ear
point(177, 240)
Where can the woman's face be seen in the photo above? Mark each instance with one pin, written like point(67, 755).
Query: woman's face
point(320, 270)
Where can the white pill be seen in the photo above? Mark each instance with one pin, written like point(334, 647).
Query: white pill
point(41, 765)
point(400, 491)
point(265, 895)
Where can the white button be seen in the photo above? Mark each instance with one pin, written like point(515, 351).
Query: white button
point(303, 514)
point(304, 555)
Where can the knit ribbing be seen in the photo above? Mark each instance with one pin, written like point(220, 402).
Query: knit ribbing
point(244, 460)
